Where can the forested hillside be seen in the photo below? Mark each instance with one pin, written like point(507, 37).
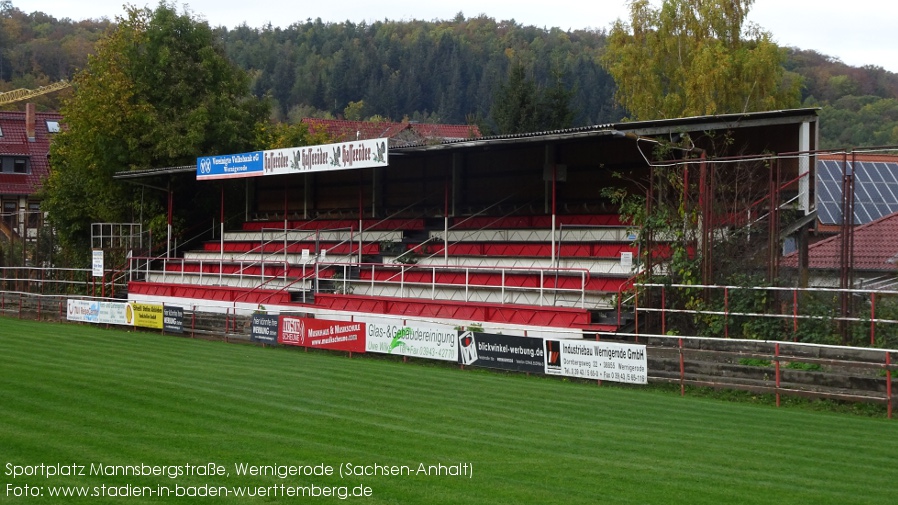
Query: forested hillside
point(441, 71)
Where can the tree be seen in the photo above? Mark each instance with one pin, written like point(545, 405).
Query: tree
point(354, 111)
point(284, 135)
point(555, 110)
point(520, 106)
point(158, 92)
point(516, 104)
point(695, 57)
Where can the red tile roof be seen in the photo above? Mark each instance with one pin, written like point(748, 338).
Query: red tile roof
point(13, 142)
point(887, 158)
point(403, 133)
point(875, 248)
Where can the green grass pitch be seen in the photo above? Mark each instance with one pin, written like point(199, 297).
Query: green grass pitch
point(77, 395)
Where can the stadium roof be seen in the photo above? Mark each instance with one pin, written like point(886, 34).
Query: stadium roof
point(639, 128)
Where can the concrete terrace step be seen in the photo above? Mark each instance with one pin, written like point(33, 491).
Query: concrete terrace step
point(277, 234)
point(610, 234)
point(226, 280)
point(596, 266)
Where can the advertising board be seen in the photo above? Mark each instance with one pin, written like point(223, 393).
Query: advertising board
point(321, 333)
point(367, 153)
point(229, 166)
point(417, 341)
point(504, 352)
point(148, 315)
point(90, 311)
point(588, 359)
point(97, 264)
point(264, 329)
point(173, 318)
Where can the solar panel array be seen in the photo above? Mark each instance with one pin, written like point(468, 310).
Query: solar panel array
point(875, 190)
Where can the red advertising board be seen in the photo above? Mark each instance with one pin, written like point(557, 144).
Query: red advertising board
point(321, 334)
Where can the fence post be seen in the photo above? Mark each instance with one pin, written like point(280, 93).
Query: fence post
point(682, 370)
point(794, 315)
point(776, 354)
point(726, 312)
point(663, 312)
point(620, 294)
point(889, 382)
point(872, 319)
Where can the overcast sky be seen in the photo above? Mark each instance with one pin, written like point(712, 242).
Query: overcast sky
point(862, 33)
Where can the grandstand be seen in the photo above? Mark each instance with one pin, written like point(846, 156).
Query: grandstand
point(509, 231)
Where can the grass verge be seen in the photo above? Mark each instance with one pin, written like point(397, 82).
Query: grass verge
point(82, 395)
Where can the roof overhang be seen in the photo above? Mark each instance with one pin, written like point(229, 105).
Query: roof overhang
point(612, 130)
point(150, 172)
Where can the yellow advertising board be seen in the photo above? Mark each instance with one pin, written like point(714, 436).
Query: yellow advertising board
point(148, 315)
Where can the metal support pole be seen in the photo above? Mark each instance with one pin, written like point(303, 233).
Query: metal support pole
point(221, 218)
point(682, 370)
point(170, 205)
point(795, 315)
point(872, 319)
point(554, 208)
point(446, 224)
point(889, 382)
point(726, 312)
point(847, 245)
point(664, 312)
point(776, 351)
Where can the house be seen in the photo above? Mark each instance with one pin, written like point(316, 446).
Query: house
point(875, 255)
point(24, 164)
point(405, 133)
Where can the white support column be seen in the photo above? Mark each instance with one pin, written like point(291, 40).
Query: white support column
point(804, 167)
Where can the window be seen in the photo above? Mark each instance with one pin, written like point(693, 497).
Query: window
point(15, 165)
point(10, 214)
point(34, 215)
point(1, 131)
point(53, 126)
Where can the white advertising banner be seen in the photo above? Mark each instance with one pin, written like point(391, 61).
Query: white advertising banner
point(368, 153)
point(417, 341)
point(588, 359)
point(343, 156)
point(90, 311)
point(96, 265)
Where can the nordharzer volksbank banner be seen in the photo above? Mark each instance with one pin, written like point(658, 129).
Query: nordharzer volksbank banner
point(505, 352)
point(321, 333)
point(590, 359)
point(414, 340)
point(230, 166)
